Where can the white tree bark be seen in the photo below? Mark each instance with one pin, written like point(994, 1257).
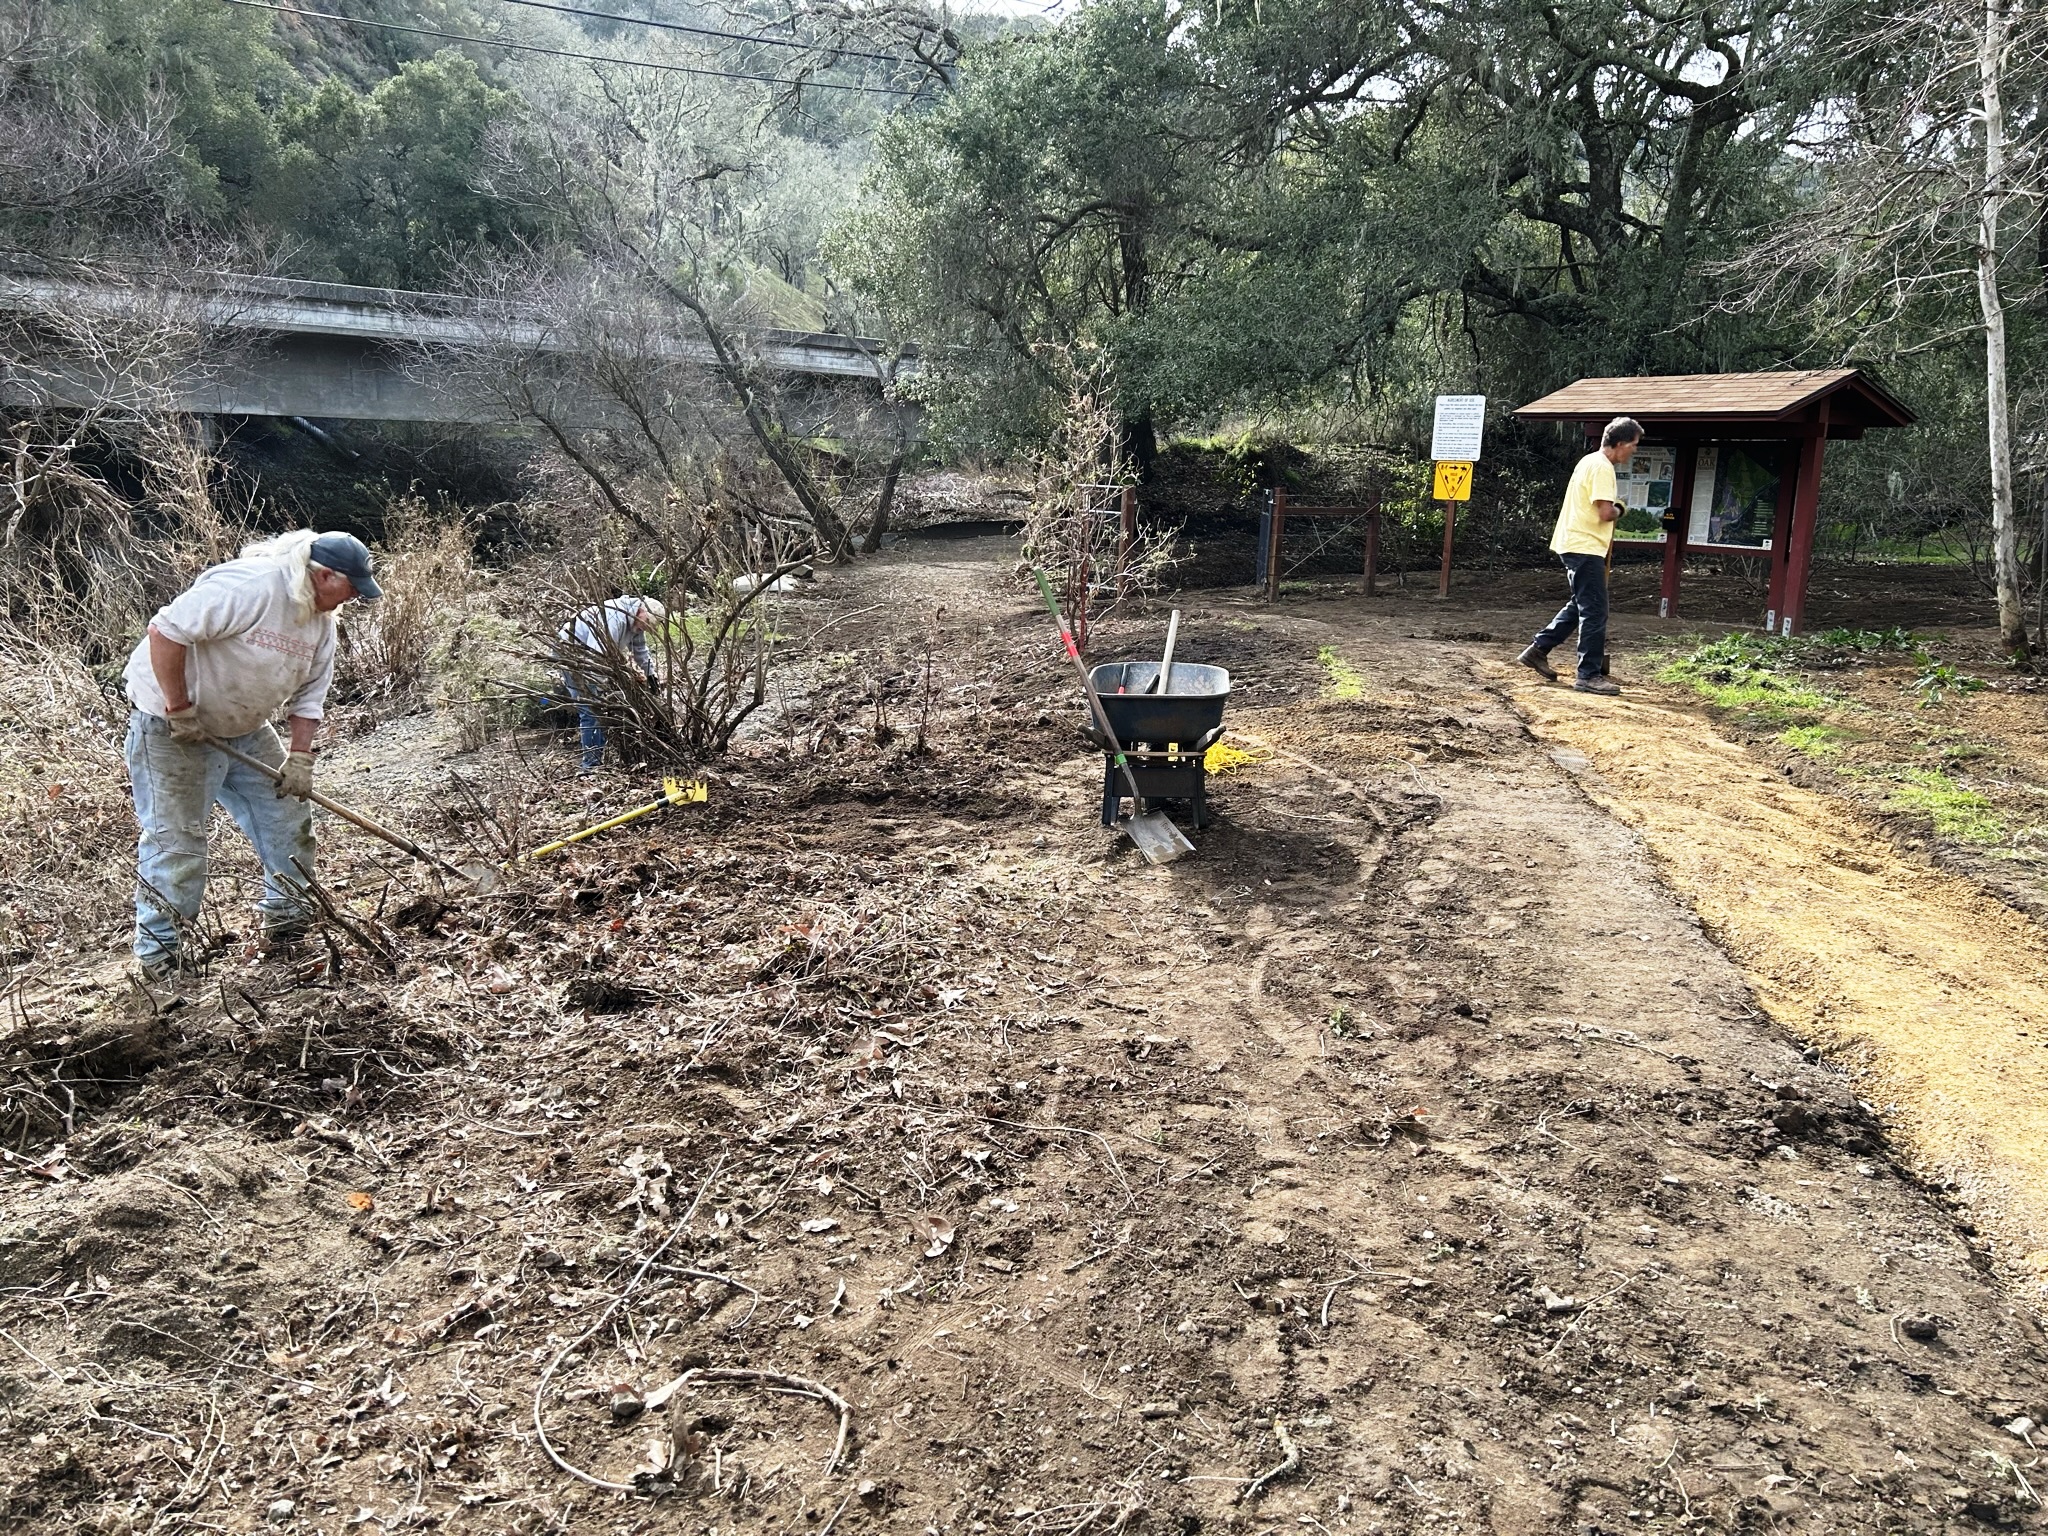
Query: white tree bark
point(1991, 53)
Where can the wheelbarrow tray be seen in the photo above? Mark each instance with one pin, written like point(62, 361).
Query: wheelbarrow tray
point(1183, 717)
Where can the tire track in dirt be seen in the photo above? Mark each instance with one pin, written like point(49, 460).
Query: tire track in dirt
point(1597, 1098)
point(1935, 991)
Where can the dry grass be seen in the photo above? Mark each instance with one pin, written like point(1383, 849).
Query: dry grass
point(427, 567)
point(64, 810)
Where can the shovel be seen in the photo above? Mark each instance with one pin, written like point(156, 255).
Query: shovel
point(480, 875)
point(672, 793)
point(1163, 683)
point(1159, 840)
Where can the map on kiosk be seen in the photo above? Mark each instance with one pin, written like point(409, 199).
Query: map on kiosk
point(1733, 500)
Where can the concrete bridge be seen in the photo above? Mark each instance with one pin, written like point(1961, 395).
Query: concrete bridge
point(299, 349)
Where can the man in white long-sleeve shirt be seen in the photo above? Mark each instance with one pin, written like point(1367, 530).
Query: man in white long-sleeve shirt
point(589, 644)
point(248, 641)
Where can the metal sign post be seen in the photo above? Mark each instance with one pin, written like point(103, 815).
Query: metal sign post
point(1454, 442)
point(1453, 484)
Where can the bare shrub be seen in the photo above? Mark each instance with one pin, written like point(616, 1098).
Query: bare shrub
point(64, 811)
point(1072, 525)
point(92, 369)
point(711, 658)
point(656, 488)
point(79, 559)
point(427, 569)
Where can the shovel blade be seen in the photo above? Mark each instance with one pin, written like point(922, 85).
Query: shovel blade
point(1158, 840)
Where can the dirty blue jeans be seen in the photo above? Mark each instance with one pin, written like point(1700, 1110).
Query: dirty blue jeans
point(176, 786)
point(1586, 612)
point(589, 730)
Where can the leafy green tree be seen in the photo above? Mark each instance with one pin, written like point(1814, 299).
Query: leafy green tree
point(212, 66)
point(391, 186)
point(1046, 200)
point(1251, 206)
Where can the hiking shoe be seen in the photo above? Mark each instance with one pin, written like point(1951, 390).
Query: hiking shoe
point(161, 972)
point(1537, 661)
point(1600, 685)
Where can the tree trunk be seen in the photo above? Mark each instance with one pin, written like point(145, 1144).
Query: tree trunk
point(2012, 623)
point(885, 498)
point(1141, 443)
point(835, 542)
point(878, 524)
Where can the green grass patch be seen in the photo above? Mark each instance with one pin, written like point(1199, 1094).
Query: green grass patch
point(1748, 674)
point(695, 631)
point(1959, 751)
point(1958, 813)
point(1932, 549)
point(1870, 642)
point(1938, 680)
point(1814, 740)
point(1346, 681)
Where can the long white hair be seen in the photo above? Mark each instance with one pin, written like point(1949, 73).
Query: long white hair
point(293, 551)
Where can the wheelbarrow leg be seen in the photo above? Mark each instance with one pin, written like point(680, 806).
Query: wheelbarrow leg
point(1112, 792)
point(1201, 799)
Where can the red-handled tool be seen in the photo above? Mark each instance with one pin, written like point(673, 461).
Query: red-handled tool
point(1158, 840)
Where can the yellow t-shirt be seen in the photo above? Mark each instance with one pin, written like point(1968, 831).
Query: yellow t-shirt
point(1579, 529)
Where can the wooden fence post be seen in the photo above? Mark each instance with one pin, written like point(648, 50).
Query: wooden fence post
point(1127, 530)
point(1443, 579)
point(1372, 548)
point(1273, 544)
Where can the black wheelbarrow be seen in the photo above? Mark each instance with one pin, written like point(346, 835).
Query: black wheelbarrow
point(1164, 735)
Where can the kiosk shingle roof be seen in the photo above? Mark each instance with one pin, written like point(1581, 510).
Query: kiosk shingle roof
point(1703, 398)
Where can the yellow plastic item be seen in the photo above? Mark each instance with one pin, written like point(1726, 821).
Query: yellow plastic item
point(673, 792)
point(1223, 758)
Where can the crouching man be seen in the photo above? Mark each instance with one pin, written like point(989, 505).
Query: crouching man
point(589, 645)
point(248, 640)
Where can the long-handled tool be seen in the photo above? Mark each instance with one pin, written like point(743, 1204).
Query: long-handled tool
point(672, 793)
point(1163, 683)
point(397, 840)
point(1158, 840)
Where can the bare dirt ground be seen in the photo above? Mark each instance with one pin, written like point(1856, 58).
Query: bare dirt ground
point(1412, 1159)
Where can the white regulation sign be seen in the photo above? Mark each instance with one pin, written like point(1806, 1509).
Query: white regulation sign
point(1460, 421)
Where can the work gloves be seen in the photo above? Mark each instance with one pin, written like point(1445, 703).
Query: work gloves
point(296, 777)
point(184, 725)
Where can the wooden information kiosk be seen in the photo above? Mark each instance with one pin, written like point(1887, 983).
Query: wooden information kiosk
point(1730, 464)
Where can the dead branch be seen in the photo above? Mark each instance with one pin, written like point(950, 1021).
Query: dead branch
point(1292, 1460)
point(541, 1386)
point(774, 1380)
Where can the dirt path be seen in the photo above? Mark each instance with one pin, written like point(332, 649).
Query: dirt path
point(1936, 992)
point(1412, 1143)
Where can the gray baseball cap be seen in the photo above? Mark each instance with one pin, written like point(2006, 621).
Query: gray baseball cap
point(349, 556)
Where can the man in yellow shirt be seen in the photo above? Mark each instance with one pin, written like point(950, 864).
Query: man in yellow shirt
point(1585, 532)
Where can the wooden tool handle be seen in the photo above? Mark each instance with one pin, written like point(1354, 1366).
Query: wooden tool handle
point(1164, 682)
point(1088, 687)
point(397, 840)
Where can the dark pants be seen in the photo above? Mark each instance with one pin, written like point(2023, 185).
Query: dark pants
point(1586, 612)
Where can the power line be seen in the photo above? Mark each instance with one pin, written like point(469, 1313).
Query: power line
point(562, 53)
point(737, 37)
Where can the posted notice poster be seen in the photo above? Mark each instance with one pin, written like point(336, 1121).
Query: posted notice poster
point(1645, 490)
point(1735, 495)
